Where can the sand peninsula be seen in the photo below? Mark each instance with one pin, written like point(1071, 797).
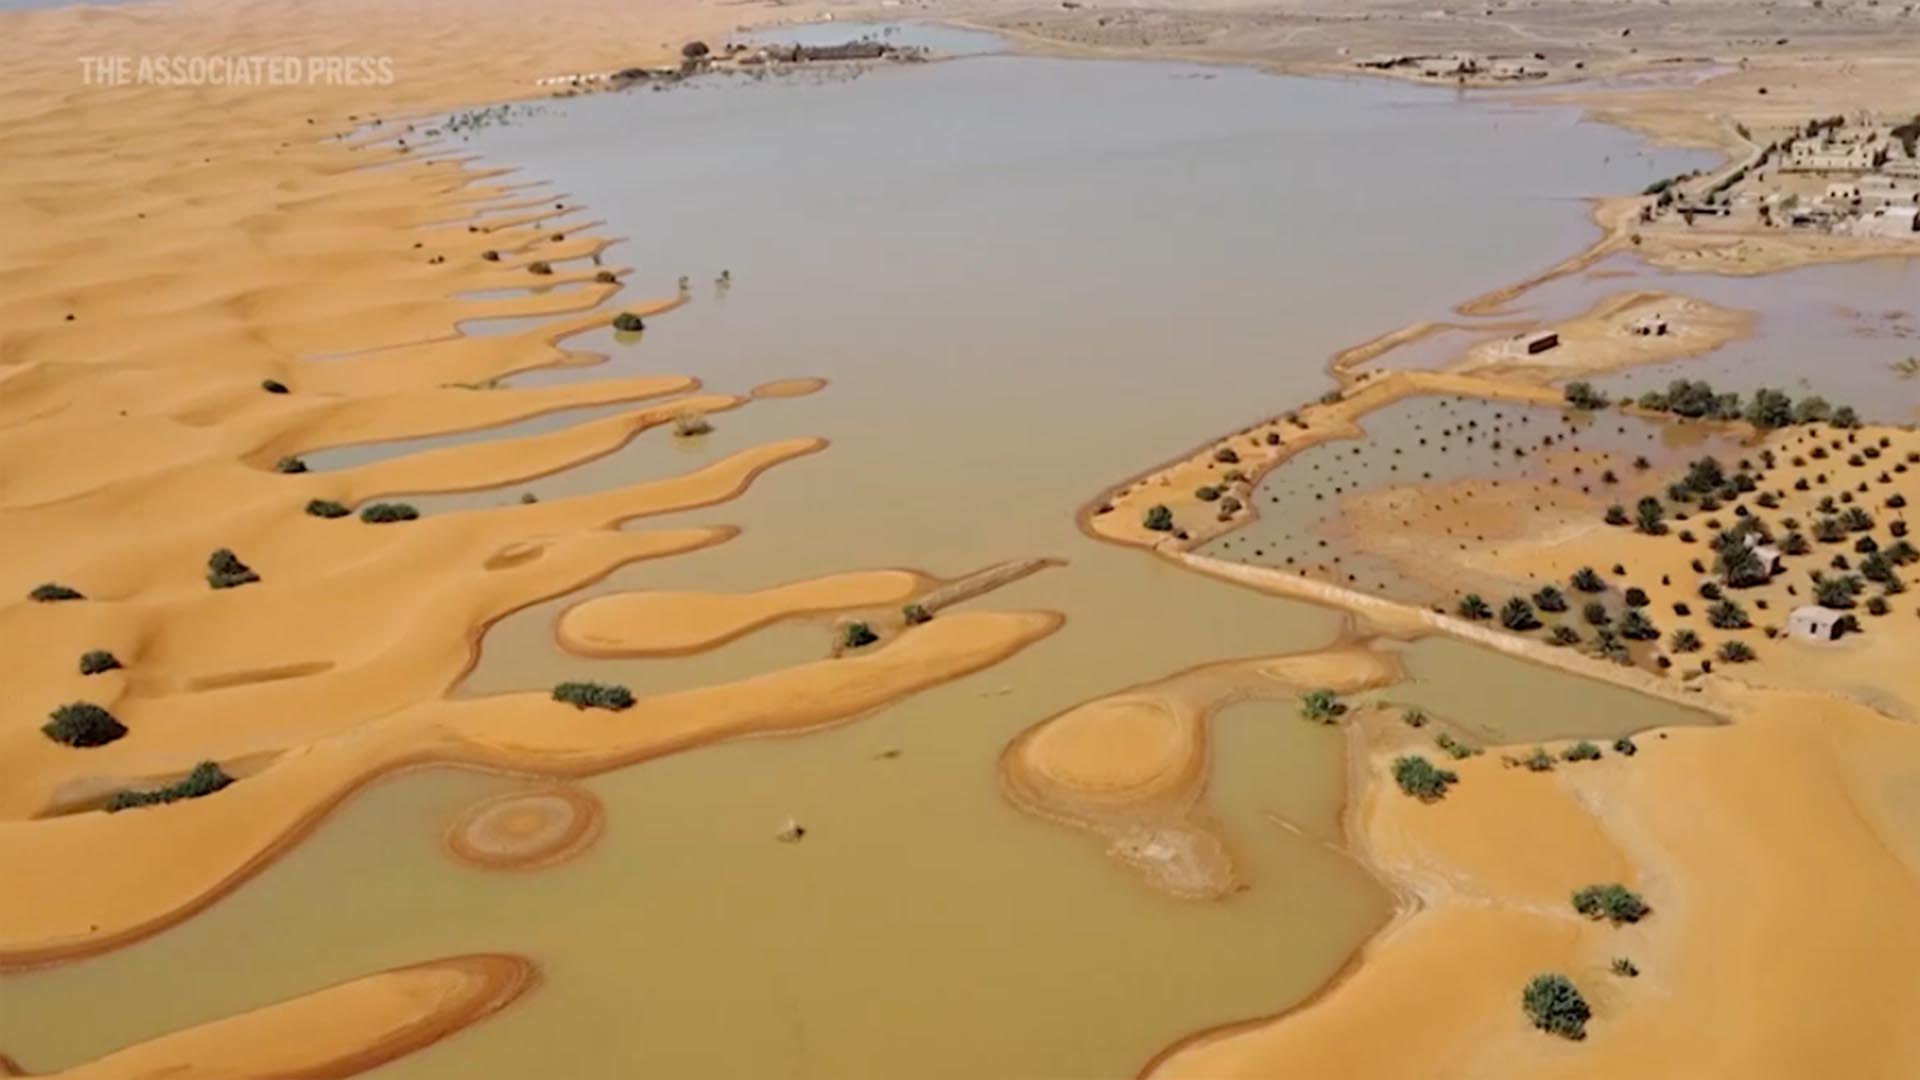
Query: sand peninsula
point(1650, 896)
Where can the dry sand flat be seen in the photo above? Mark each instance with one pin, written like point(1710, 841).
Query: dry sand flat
point(667, 623)
point(341, 1031)
point(1610, 336)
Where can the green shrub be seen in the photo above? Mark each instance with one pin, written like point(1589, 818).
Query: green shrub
point(52, 593)
point(1582, 395)
point(1517, 615)
point(386, 513)
point(1613, 902)
point(226, 571)
point(326, 508)
point(628, 322)
point(1474, 608)
point(1623, 967)
point(1421, 778)
point(1581, 751)
point(290, 464)
point(593, 695)
point(1727, 615)
point(1595, 613)
point(97, 661)
point(1538, 761)
point(1550, 599)
point(1206, 493)
point(1555, 1006)
point(83, 724)
point(915, 614)
point(858, 635)
point(1565, 635)
point(1616, 514)
point(540, 267)
point(1455, 749)
point(1227, 455)
point(1588, 580)
point(1413, 717)
point(1685, 641)
point(1735, 652)
point(1158, 519)
point(1635, 626)
point(1650, 517)
point(1625, 747)
point(1322, 706)
point(205, 779)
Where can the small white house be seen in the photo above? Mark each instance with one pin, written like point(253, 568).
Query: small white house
point(1811, 623)
point(1897, 222)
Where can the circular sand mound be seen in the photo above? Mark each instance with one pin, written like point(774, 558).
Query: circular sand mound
point(525, 830)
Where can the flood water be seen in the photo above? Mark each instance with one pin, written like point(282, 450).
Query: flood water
point(1025, 279)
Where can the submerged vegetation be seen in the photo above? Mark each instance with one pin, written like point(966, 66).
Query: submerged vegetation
point(1322, 706)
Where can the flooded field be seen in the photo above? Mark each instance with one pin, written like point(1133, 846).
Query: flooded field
point(1001, 267)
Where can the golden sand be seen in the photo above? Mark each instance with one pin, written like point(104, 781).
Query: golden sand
point(341, 1031)
point(672, 623)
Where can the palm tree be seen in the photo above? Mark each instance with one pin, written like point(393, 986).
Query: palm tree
point(1616, 514)
point(1736, 652)
point(1635, 626)
point(1474, 608)
point(1685, 641)
point(1587, 579)
point(1517, 615)
point(1550, 599)
point(1596, 613)
point(1856, 519)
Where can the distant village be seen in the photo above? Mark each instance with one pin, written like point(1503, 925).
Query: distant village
point(1857, 176)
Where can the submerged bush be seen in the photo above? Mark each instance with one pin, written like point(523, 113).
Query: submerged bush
point(628, 322)
point(82, 724)
point(1421, 778)
point(1555, 1006)
point(290, 464)
point(225, 570)
point(593, 695)
point(915, 614)
point(205, 779)
point(1613, 902)
point(858, 635)
point(1321, 706)
point(1517, 615)
point(326, 508)
point(386, 513)
point(97, 661)
point(1550, 599)
point(1474, 608)
point(52, 593)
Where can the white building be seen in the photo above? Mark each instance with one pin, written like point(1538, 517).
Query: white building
point(1815, 624)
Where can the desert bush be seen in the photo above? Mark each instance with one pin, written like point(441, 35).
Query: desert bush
point(205, 779)
point(1735, 652)
point(540, 267)
point(858, 635)
point(628, 322)
point(82, 724)
point(1636, 597)
point(1454, 748)
point(1727, 615)
point(52, 593)
point(226, 571)
point(1623, 967)
point(1685, 641)
point(1613, 902)
point(915, 614)
point(326, 508)
point(1413, 717)
point(1538, 761)
point(1227, 455)
point(1650, 517)
point(1421, 778)
point(1206, 493)
point(1582, 395)
point(290, 464)
point(96, 661)
point(592, 695)
point(388, 513)
point(1565, 635)
point(1550, 599)
point(1473, 607)
point(1581, 751)
point(1635, 626)
point(1625, 747)
point(273, 386)
point(1616, 514)
point(1595, 613)
point(1158, 518)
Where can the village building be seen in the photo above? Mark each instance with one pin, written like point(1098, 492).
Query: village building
point(1893, 222)
point(1816, 624)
